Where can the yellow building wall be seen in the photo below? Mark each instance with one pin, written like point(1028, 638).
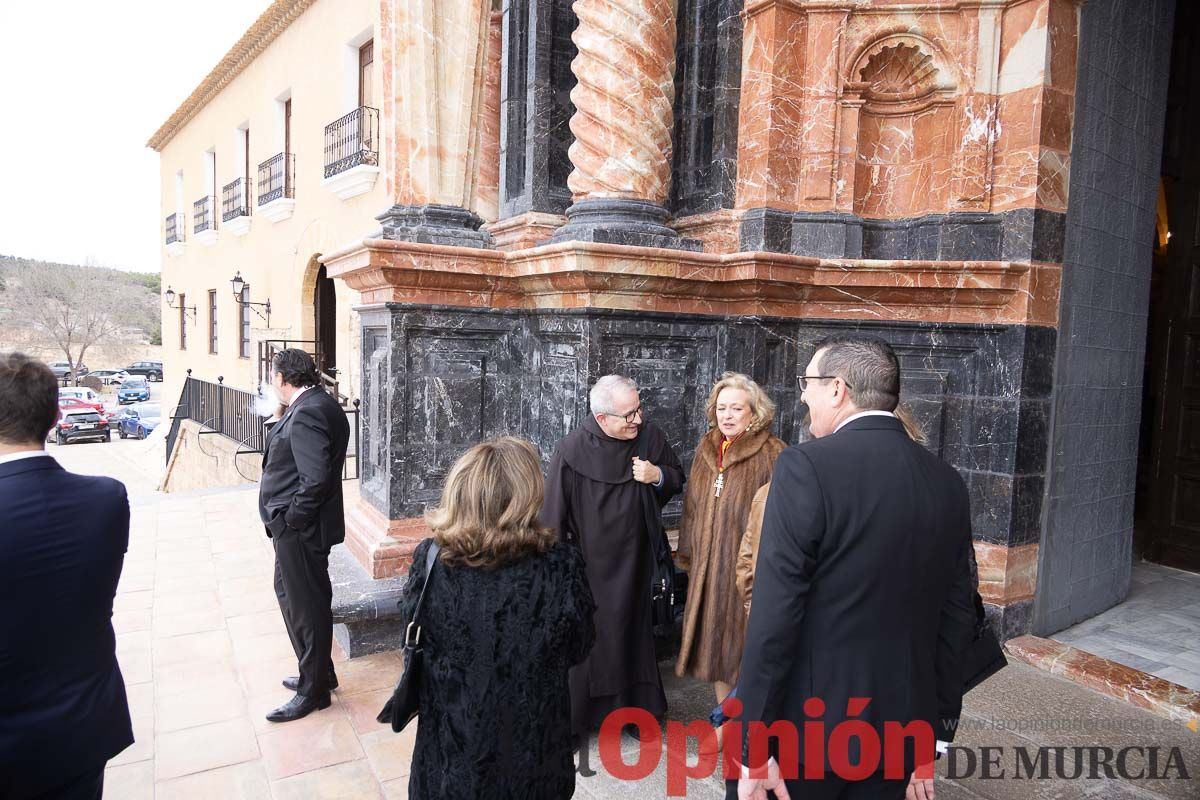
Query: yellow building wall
point(315, 61)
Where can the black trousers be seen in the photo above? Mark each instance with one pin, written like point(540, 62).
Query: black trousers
point(88, 786)
point(305, 598)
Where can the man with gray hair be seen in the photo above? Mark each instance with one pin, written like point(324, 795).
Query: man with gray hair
point(862, 590)
point(608, 480)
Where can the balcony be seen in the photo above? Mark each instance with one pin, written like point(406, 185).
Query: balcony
point(176, 227)
point(277, 187)
point(235, 207)
point(204, 221)
point(352, 153)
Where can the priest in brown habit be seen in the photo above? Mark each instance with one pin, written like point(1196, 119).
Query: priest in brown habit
point(594, 497)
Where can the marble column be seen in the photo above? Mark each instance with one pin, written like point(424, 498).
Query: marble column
point(486, 202)
point(622, 124)
point(434, 65)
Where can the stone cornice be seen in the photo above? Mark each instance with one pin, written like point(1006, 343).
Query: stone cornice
point(254, 41)
point(587, 275)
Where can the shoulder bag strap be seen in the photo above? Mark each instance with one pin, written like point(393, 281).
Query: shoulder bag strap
point(412, 634)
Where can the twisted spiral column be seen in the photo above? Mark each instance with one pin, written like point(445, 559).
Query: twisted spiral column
point(623, 96)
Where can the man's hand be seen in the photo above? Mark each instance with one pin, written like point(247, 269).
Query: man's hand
point(919, 788)
point(645, 472)
point(757, 788)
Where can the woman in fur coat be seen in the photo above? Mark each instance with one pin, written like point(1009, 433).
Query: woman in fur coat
point(732, 461)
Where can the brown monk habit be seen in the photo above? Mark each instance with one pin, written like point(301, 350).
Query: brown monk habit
point(592, 500)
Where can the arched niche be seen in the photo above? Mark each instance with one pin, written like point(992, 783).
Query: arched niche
point(902, 90)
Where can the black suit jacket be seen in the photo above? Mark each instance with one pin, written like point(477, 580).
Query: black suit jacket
point(863, 584)
point(63, 710)
point(301, 485)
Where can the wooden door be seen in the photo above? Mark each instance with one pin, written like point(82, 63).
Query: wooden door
point(1173, 536)
point(325, 307)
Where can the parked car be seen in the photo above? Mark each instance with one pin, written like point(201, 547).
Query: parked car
point(82, 424)
point(138, 421)
point(66, 404)
point(133, 390)
point(82, 394)
point(110, 377)
point(150, 370)
point(65, 372)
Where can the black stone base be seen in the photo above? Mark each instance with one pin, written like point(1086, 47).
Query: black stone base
point(1018, 235)
point(1010, 621)
point(637, 223)
point(366, 616)
point(435, 224)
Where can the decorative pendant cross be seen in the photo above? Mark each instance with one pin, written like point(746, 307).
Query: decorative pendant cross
point(719, 484)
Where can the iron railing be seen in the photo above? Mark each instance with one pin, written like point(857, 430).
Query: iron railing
point(202, 215)
point(277, 178)
point(352, 140)
point(234, 200)
point(175, 228)
point(230, 412)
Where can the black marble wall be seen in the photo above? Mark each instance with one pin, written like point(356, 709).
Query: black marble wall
point(1120, 100)
point(708, 78)
point(1017, 235)
point(535, 106)
point(437, 380)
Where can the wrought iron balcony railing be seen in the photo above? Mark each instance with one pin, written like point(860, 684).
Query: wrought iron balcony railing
point(277, 178)
point(352, 140)
point(234, 200)
point(175, 228)
point(202, 215)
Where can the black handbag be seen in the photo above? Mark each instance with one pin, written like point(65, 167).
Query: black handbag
point(983, 657)
point(662, 566)
point(404, 702)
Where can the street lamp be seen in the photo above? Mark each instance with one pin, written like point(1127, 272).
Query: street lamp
point(239, 286)
point(170, 298)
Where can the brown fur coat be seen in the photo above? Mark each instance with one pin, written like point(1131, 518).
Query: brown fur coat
point(710, 534)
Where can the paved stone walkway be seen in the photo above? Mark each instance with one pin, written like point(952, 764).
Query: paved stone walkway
point(203, 648)
point(1155, 630)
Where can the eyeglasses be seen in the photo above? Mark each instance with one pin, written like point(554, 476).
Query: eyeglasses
point(804, 379)
point(630, 417)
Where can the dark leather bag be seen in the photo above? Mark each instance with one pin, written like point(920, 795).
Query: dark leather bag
point(405, 701)
point(984, 656)
point(662, 567)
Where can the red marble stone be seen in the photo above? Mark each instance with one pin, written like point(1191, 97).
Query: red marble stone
point(1159, 696)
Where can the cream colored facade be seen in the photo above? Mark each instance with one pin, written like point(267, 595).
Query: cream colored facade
point(307, 52)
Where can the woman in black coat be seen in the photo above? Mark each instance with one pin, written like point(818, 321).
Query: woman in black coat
point(507, 614)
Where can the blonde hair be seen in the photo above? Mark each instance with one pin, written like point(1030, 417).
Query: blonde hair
point(488, 516)
point(761, 405)
point(912, 425)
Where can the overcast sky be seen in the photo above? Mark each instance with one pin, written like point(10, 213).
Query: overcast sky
point(83, 85)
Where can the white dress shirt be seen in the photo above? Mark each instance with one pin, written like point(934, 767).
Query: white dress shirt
point(23, 454)
point(861, 414)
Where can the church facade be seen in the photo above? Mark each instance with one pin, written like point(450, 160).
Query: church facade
point(670, 189)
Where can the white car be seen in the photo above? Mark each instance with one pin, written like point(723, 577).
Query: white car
point(110, 377)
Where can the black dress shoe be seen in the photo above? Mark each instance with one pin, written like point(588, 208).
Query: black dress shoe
point(294, 683)
point(298, 707)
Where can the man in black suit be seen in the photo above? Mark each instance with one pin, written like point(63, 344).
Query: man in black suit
point(63, 711)
point(863, 585)
point(300, 503)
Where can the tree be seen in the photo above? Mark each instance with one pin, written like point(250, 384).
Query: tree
point(72, 308)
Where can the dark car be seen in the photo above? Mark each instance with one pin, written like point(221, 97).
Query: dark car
point(65, 372)
point(150, 370)
point(133, 390)
point(138, 421)
point(81, 425)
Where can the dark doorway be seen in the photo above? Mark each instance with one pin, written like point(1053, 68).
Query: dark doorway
point(1168, 497)
point(325, 308)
